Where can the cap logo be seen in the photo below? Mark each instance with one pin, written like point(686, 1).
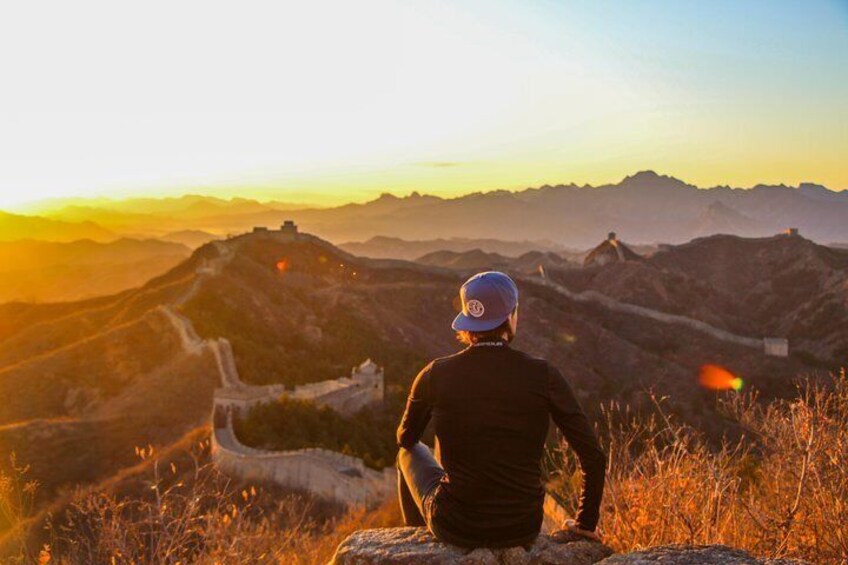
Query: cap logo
point(475, 308)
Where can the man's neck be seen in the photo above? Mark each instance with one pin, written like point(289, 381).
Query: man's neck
point(492, 343)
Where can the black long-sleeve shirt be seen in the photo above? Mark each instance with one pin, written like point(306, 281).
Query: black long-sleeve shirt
point(491, 407)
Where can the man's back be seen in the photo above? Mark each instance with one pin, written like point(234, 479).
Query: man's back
point(490, 406)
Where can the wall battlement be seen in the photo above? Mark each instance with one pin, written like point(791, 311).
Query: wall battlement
point(346, 394)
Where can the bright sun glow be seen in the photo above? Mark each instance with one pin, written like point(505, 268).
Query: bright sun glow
point(329, 101)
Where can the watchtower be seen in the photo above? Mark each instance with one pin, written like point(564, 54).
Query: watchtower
point(776, 346)
point(369, 374)
point(289, 230)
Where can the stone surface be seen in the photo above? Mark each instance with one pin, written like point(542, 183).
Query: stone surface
point(416, 546)
point(694, 555)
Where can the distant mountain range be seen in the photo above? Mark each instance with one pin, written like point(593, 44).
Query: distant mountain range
point(15, 227)
point(645, 208)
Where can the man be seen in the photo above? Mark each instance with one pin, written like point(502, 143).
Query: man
point(490, 406)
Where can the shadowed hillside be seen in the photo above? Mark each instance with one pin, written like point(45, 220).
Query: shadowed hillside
point(778, 286)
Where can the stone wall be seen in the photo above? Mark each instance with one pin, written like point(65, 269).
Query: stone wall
point(335, 476)
point(346, 395)
point(766, 345)
point(328, 474)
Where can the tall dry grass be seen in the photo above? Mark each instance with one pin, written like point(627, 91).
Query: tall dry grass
point(193, 515)
point(780, 490)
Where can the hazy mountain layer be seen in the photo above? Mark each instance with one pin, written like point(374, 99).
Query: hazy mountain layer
point(38, 271)
point(643, 208)
point(16, 227)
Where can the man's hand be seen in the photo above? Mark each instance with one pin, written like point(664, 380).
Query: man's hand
point(572, 532)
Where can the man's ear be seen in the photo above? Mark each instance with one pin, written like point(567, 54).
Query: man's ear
point(513, 320)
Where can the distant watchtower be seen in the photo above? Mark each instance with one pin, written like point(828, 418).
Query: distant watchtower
point(611, 236)
point(793, 232)
point(776, 346)
point(370, 376)
point(289, 230)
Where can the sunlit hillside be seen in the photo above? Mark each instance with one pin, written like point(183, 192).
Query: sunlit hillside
point(95, 379)
point(40, 271)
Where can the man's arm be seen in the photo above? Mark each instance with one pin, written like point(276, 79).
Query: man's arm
point(418, 409)
point(574, 425)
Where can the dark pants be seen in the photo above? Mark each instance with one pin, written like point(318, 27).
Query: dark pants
point(418, 476)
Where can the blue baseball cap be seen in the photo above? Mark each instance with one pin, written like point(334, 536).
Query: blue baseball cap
point(487, 301)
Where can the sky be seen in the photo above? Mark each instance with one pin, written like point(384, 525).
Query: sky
point(326, 102)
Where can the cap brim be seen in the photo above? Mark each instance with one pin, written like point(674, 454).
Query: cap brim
point(463, 323)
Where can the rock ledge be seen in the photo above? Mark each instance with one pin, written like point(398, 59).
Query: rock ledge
point(416, 546)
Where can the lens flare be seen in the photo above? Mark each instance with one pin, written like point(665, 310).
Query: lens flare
point(714, 377)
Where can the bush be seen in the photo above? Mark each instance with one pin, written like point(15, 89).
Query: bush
point(294, 424)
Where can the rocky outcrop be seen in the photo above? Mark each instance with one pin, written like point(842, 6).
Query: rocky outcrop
point(416, 546)
point(694, 555)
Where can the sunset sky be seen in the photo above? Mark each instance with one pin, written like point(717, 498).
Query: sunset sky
point(333, 101)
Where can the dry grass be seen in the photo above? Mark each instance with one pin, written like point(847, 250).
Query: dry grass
point(187, 513)
point(780, 491)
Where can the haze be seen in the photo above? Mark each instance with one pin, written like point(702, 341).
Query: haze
point(326, 102)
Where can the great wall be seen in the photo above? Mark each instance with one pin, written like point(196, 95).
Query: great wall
point(335, 476)
point(777, 347)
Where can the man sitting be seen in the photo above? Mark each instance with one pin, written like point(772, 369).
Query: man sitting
point(490, 406)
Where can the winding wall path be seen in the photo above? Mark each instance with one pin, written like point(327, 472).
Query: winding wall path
point(618, 306)
point(329, 474)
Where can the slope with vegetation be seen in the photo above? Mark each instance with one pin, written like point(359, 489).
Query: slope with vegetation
point(94, 379)
point(779, 493)
point(783, 286)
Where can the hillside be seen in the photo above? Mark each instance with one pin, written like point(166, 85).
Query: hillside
point(383, 247)
point(190, 238)
point(111, 372)
point(468, 262)
point(39, 271)
point(783, 286)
